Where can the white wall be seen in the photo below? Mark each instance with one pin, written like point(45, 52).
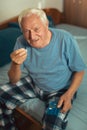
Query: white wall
point(10, 8)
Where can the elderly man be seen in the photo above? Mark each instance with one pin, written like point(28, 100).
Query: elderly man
point(54, 64)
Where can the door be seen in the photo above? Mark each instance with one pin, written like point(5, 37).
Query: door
point(76, 12)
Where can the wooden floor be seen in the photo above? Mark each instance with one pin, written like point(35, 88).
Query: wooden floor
point(24, 121)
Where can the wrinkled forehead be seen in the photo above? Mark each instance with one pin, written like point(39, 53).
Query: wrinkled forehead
point(31, 19)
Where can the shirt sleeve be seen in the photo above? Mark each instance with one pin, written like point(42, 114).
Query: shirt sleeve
point(74, 56)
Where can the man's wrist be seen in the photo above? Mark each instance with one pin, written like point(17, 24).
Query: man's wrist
point(16, 64)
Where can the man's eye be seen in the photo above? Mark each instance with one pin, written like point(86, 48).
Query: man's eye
point(36, 29)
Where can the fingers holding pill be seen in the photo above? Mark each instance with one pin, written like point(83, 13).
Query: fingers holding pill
point(18, 56)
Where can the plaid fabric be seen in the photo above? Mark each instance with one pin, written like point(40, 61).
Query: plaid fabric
point(53, 119)
point(12, 96)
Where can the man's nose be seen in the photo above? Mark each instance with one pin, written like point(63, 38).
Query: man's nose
point(32, 34)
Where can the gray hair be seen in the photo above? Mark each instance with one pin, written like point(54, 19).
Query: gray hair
point(30, 11)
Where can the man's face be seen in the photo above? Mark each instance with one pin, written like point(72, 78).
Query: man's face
point(35, 31)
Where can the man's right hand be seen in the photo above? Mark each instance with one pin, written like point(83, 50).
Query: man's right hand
point(19, 56)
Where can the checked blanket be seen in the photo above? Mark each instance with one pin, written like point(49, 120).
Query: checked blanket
point(12, 96)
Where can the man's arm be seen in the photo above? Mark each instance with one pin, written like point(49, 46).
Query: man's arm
point(17, 58)
point(66, 98)
point(14, 73)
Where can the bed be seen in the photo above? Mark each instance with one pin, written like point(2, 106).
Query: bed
point(27, 113)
